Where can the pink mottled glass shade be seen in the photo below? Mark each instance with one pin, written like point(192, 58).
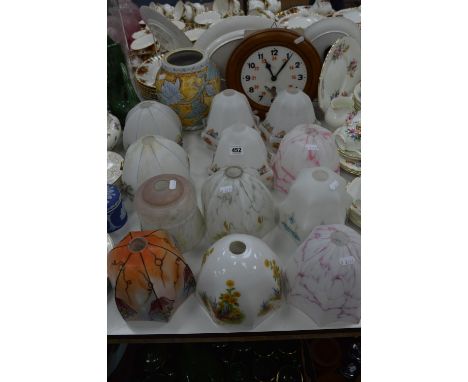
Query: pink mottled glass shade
point(305, 146)
point(168, 202)
point(324, 275)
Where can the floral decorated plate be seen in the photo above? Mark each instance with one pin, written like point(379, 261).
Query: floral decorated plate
point(114, 167)
point(350, 166)
point(146, 72)
point(299, 20)
point(166, 33)
point(341, 71)
point(325, 32)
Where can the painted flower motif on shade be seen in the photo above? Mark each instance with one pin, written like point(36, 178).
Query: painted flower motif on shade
point(171, 92)
point(275, 298)
point(226, 308)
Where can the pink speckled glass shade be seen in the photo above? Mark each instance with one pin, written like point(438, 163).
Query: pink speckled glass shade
point(168, 202)
point(324, 276)
point(303, 147)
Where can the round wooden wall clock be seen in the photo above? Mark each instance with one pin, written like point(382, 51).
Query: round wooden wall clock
point(272, 60)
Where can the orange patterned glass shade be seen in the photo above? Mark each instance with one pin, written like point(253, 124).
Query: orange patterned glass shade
point(149, 276)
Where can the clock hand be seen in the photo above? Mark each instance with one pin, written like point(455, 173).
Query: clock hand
point(268, 66)
point(282, 66)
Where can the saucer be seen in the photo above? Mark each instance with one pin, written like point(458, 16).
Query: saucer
point(143, 42)
point(114, 168)
point(350, 166)
point(179, 24)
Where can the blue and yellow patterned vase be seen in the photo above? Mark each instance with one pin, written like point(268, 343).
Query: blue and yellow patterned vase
point(116, 213)
point(187, 82)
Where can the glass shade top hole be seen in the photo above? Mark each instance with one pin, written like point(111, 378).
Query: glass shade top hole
point(320, 175)
point(161, 185)
point(137, 245)
point(237, 247)
point(233, 172)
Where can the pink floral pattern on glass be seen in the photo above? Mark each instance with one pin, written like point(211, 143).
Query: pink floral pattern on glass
point(324, 276)
point(303, 147)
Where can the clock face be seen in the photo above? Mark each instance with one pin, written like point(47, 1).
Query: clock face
point(271, 69)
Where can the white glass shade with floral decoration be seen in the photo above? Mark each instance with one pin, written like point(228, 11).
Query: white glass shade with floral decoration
point(150, 156)
point(241, 145)
point(305, 146)
point(228, 108)
point(317, 197)
point(151, 118)
point(290, 108)
point(239, 283)
point(236, 201)
point(324, 275)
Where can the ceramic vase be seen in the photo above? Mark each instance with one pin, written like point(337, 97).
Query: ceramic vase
point(236, 201)
point(290, 108)
point(169, 202)
point(116, 213)
point(239, 283)
point(305, 146)
point(317, 197)
point(324, 276)
point(241, 145)
point(150, 156)
point(149, 276)
point(114, 131)
point(187, 82)
point(151, 118)
point(228, 108)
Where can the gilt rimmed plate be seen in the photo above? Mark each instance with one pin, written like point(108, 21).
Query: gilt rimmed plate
point(348, 165)
point(114, 167)
point(341, 71)
point(168, 35)
point(146, 72)
point(325, 32)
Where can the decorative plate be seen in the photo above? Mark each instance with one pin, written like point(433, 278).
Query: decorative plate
point(146, 72)
point(353, 14)
point(348, 165)
point(325, 32)
point(114, 167)
point(143, 42)
point(165, 32)
point(299, 20)
point(341, 71)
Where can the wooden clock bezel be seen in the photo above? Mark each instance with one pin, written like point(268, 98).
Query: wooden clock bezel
point(269, 37)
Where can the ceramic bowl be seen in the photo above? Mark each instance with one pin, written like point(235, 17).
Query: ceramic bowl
point(227, 108)
point(324, 276)
point(305, 146)
point(239, 283)
point(290, 108)
point(151, 118)
point(114, 131)
point(149, 156)
point(236, 201)
point(354, 212)
point(317, 197)
point(149, 276)
point(114, 168)
point(241, 145)
point(169, 202)
point(116, 212)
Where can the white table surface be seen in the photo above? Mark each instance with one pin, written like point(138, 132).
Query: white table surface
point(190, 318)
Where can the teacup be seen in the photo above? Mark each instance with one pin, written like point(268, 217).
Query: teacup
point(348, 138)
point(199, 8)
point(338, 111)
point(168, 10)
point(273, 5)
point(256, 4)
